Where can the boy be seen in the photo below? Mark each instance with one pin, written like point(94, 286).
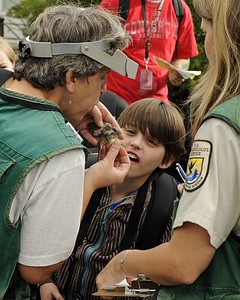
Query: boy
point(154, 138)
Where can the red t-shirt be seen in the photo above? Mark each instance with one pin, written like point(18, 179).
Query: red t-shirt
point(163, 37)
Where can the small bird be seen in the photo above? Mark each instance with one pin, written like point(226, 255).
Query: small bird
point(107, 134)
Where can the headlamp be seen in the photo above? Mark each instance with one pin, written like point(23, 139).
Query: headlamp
point(117, 62)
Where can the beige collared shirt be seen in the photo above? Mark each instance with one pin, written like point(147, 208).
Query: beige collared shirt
point(212, 197)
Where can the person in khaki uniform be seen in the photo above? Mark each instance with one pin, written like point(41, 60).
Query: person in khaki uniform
point(202, 259)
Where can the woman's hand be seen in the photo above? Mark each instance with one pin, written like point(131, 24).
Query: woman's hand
point(49, 291)
point(114, 163)
point(111, 169)
point(98, 115)
point(111, 274)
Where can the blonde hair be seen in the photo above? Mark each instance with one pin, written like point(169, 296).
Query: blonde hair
point(221, 81)
point(7, 49)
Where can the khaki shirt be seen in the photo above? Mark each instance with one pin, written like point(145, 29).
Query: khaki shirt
point(211, 198)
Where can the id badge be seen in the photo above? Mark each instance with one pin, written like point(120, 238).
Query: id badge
point(146, 79)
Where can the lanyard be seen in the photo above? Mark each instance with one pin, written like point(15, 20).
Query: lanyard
point(147, 30)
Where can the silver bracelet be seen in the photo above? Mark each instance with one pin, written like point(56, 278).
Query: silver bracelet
point(122, 263)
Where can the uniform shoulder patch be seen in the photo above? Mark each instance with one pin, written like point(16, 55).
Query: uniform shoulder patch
point(198, 164)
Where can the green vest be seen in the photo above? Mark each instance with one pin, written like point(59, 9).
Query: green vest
point(21, 118)
point(221, 280)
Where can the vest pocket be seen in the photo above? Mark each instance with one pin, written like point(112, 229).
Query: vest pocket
point(6, 163)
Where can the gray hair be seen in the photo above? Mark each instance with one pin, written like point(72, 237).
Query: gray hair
point(69, 24)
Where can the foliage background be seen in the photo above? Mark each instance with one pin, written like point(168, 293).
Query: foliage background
point(28, 10)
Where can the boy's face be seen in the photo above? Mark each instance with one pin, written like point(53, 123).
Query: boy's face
point(145, 153)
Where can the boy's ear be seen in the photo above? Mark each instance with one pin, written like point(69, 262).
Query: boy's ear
point(166, 165)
